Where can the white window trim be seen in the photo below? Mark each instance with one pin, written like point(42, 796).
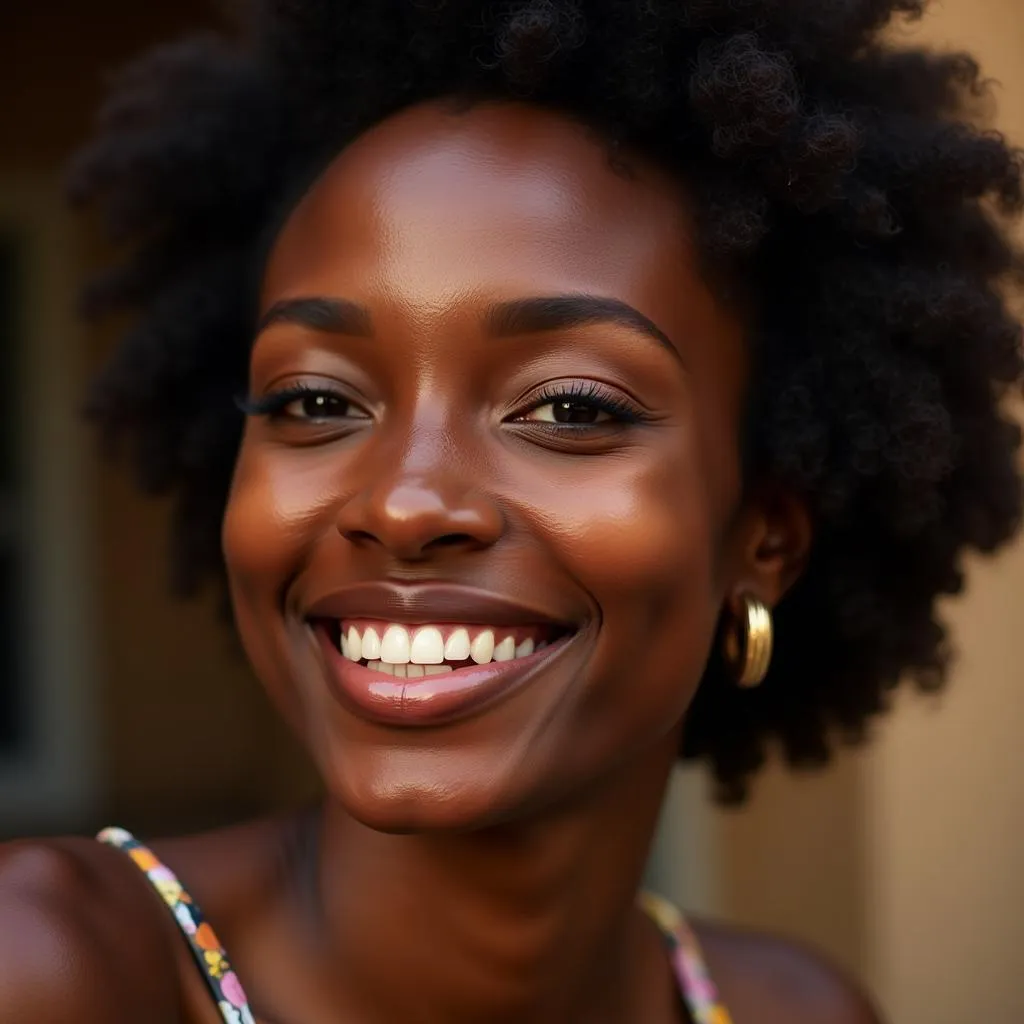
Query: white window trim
point(54, 783)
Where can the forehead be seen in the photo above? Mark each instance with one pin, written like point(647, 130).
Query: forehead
point(438, 203)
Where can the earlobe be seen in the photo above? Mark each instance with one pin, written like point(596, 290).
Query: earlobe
point(773, 545)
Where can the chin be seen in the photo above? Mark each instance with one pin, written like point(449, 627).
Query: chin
point(398, 791)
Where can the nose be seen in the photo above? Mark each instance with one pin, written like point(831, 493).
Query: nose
point(413, 517)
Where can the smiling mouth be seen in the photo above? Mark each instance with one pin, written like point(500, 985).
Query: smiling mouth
point(436, 674)
point(431, 655)
point(413, 652)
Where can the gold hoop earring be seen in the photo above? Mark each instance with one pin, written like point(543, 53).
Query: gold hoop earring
point(748, 643)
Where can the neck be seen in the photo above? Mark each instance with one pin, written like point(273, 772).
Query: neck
point(530, 921)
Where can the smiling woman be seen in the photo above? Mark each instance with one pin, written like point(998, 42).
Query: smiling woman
point(603, 386)
point(502, 420)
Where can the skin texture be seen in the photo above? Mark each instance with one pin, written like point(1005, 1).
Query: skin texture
point(513, 840)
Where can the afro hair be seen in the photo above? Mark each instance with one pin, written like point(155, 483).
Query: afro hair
point(847, 183)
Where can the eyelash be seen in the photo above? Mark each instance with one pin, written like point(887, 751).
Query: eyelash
point(591, 394)
point(272, 405)
point(587, 393)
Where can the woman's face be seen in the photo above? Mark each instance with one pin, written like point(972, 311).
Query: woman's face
point(500, 428)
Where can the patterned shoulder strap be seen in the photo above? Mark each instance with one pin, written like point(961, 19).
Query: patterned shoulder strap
point(206, 948)
point(695, 984)
point(698, 991)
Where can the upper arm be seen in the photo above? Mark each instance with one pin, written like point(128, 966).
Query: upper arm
point(66, 954)
point(765, 980)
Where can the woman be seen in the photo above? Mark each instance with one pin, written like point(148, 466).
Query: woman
point(530, 373)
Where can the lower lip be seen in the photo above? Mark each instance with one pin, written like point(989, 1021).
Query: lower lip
point(429, 700)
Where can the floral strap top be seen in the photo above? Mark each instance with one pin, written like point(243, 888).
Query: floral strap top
point(698, 992)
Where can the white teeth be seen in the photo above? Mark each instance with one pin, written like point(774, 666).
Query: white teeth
point(371, 644)
point(394, 648)
point(457, 648)
point(506, 650)
point(481, 650)
point(409, 671)
point(427, 646)
point(355, 645)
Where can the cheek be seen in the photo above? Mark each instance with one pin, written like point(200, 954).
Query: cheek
point(277, 509)
point(643, 542)
point(641, 529)
point(273, 518)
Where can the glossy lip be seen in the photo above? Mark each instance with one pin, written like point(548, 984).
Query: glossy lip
point(433, 603)
point(430, 700)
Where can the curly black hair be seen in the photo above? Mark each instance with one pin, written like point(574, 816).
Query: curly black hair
point(845, 182)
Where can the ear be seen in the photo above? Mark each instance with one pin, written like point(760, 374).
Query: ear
point(771, 544)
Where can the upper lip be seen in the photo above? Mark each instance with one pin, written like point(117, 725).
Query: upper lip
point(427, 603)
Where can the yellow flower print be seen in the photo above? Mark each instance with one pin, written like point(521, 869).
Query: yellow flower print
point(170, 890)
point(218, 965)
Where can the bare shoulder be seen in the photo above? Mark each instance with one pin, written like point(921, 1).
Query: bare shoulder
point(768, 980)
point(79, 938)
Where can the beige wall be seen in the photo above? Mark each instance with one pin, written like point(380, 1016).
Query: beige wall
point(904, 861)
point(945, 786)
point(945, 830)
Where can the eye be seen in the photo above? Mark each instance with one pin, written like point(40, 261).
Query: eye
point(568, 411)
point(306, 404)
point(579, 404)
point(322, 405)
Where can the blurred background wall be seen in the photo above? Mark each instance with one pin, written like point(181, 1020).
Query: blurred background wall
point(903, 861)
point(133, 708)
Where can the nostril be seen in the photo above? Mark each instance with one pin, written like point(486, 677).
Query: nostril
point(451, 540)
point(413, 547)
point(359, 536)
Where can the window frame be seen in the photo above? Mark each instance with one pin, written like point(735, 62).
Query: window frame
point(52, 781)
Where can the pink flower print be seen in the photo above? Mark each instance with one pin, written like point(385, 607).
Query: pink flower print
point(232, 989)
point(166, 884)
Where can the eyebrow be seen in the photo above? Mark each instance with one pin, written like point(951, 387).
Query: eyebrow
point(333, 316)
point(557, 312)
point(517, 316)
